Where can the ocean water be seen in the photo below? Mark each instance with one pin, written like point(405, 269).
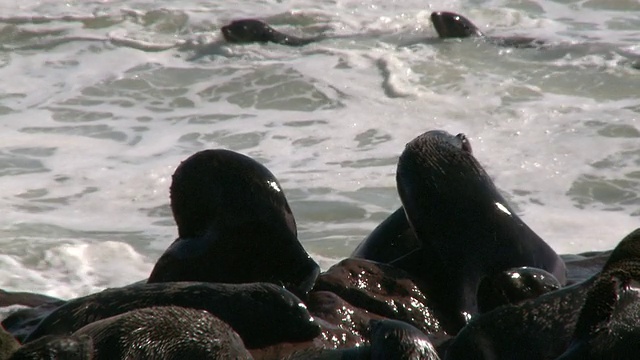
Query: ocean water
point(101, 100)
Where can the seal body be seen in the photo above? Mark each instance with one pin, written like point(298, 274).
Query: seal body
point(466, 228)
point(262, 313)
point(542, 328)
point(394, 238)
point(247, 31)
point(234, 226)
point(452, 25)
point(382, 290)
point(514, 286)
point(56, 347)
point(164, 333)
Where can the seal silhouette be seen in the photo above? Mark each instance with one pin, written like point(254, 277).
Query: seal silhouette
point(246, 31)
point(466, 228)
point(262, 313)
point(234, 226)
point(452, 25)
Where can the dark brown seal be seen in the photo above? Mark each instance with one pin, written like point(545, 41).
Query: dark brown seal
point(164, 333)
point(262, 313)
point(466, 228)
point(541, 328)
point(247, 31)
point(234, 226)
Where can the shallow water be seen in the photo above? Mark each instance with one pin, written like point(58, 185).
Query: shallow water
point(97, 109)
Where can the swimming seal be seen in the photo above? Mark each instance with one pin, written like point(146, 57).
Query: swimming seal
point(262, 313)
point(246, 31)
point(164, 333)
point(452, 25)
point(467, 230)
point(541, 328)
point(234, 226)
point(393, 237)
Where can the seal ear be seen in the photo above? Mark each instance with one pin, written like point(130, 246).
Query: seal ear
point(627, 250)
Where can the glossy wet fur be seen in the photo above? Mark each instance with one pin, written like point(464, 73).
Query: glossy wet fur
point(394, 238)
point(542, 328)
point(263, 314)
point(452, 25)
point(466, 228)
point(252, 30)
point(234, 226)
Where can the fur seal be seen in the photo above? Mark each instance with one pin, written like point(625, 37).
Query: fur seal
point(466, 229)
point(56, 347)
point(392, 339)
point(381, 289)
point(23, 321)
point(452, 25)
point(262, 313)
point(234, 226)
point(514, 286)
point(388, 339)
point(541, 328)
point(246, 31)
point(393, 237)
point(164, 333)
point(609, 322)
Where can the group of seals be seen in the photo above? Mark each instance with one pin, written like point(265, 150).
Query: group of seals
point(447, 24)
point(454, 273)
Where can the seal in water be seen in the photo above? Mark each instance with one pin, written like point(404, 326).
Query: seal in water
point(393, 237)
point(170, 332)
point(541, 328)
point(514, 286)
point(452, 25)
point(466, 229)
point(234, 226)
point(262, 313)
point(252, 30)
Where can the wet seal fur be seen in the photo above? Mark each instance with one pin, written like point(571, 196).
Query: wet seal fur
point(466, 229)
point(262, 313)
point(164, 333)
point(452, 25)
point(388, 339)
point(56, 347)
point(609, 322)
point(541, 328)
point(234, 226)
point(382, 290)
point(514, 286)
point(247, 31)
point(394, 238)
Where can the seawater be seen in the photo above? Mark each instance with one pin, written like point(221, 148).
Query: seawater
point(101, 100)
